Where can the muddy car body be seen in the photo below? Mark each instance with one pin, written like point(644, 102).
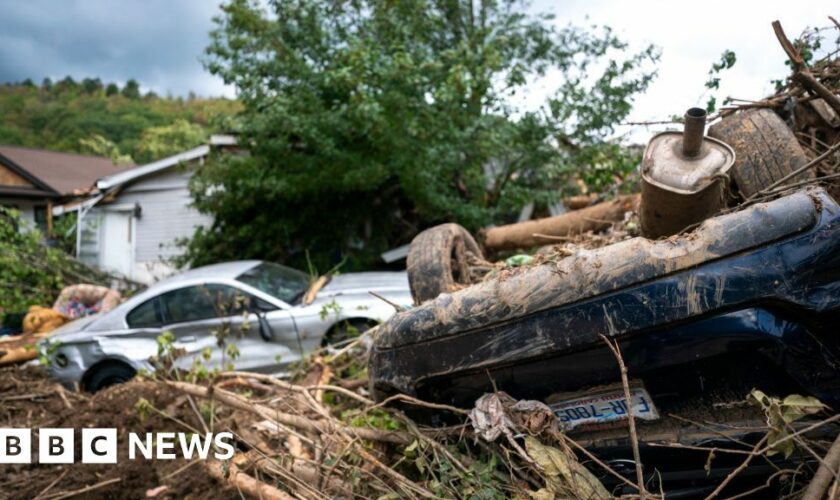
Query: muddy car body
point(267, 321)
point(748, 300)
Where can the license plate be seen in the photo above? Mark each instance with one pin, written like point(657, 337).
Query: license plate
point(604, 407)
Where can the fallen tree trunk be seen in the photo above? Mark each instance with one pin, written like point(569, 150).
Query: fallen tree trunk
point(527, 234)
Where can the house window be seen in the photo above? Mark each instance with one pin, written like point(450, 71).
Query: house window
point(40, 214)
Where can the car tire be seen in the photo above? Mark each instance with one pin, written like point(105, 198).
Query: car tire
point(108, 374)
point(765, 149)
point(437, 261)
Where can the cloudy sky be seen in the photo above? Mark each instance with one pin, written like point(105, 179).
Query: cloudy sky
point(159, 42)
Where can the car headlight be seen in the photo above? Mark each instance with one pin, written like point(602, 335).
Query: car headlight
point(61, 360)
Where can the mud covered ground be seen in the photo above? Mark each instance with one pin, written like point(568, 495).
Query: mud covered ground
point(28, 399)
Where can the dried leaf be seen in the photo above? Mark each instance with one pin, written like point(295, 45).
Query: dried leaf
point(563, 473)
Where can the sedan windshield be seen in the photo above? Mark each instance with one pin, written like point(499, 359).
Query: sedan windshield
point(283, 282)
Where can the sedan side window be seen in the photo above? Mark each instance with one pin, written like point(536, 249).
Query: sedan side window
point(146, 315)
point(196, 303)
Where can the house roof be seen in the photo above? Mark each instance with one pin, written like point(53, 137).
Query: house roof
point(131, 174)
point(62, 173)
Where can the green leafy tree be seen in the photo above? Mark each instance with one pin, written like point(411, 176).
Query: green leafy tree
point(131, 89)
point(27, 268)
point(86, 119)
point(100, 146)
point(92, 85)
point(167, 140)
point(367, 121)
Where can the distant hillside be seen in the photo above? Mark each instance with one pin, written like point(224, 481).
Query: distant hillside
point(106, 119)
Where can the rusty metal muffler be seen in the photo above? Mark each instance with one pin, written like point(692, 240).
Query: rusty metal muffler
point(684, 177)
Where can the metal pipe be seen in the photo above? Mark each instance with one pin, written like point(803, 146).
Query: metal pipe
point(695, 126)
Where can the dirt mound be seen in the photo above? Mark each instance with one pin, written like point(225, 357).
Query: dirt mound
point(28, 399)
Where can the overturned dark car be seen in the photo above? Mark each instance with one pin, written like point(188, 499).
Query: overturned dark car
point(747, 300)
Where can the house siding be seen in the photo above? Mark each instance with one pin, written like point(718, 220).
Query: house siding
point(166, 215)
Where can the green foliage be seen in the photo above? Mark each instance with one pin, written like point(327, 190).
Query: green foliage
point(780, 414)
point(726, 61)
point(27, 268)
point(100, 146)
point(377, 418)
point(331, 307)
point(46, 349)
point(167, 140)
point(102, 119)
point(367, 121)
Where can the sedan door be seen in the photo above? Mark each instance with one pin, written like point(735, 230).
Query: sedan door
point(224, 322)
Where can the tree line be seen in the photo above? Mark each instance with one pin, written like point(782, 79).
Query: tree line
point(93, 117)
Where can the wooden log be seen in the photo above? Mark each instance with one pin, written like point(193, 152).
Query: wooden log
point(244, 483)
point(579, 201)
point(526, 234)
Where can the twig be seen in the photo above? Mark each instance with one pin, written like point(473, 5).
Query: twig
point(634, 438)
point(738, 469)
point(198, 414)
point(238, 402)
point(396, 306)
point(418, 402)
point(86, 489)
point(53, 483)
point(297, 388)
point(763, 486)
point(825, 473)
point(182, 468)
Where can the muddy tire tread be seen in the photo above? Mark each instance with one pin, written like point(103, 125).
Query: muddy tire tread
point(436, 261)
point(766, 150)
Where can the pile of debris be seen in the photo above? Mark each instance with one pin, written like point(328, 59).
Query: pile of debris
point(321, 435)
point(350, 422)
point(756, 151)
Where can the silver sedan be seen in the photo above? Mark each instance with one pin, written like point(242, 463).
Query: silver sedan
point(258, 306)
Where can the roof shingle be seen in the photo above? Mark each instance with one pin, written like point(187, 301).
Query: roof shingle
point(65, 173)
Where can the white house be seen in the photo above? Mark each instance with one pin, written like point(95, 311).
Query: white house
point(132, 222)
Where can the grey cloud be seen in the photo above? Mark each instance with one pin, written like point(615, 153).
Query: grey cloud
point(156, 42)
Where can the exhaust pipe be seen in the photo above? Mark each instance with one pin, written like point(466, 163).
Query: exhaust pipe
point(695, 127)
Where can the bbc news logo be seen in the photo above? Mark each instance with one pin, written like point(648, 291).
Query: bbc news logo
point(101, 446)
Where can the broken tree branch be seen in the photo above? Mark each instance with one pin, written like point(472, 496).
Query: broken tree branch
point(240, 403)
point(825, 473)
point(245, 483)
point(801, 71)
point(634, 438)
